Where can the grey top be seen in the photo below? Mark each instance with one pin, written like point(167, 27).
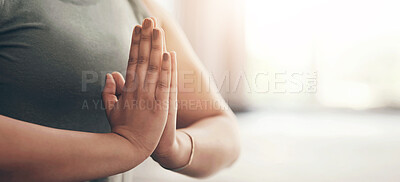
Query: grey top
point(54, 55)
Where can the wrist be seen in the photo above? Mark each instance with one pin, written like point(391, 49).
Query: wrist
point(126, 153)
point(138, 149)
point(179, 153)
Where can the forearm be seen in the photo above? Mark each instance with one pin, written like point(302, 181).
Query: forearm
point(36, 153)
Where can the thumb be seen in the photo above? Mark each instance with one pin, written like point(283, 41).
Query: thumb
point(120, 83)
point(109, 97)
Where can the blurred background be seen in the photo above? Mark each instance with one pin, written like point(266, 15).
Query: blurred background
point(315, 84)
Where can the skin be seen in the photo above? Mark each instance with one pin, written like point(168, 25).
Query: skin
point(37, 153)
point(214, 128)
point(31, 152)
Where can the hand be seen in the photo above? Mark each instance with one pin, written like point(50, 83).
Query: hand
point(173, 150)
point(168, 151)
point(138, 110)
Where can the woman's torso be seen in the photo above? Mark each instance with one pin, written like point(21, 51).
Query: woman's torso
point(54, 55)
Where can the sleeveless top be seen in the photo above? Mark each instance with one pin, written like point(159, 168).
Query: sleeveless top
point(54, 55)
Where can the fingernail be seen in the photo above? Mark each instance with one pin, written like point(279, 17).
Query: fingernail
point(165, 56)
point(137, 30)
point(146, 23)
point(105, 80)
point(155, 33)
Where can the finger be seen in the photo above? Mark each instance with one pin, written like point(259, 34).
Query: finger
point(155, 62)
point(120, 83)
point(173, 94)
point(155, 21)
point(157, 24)
point(164, 42)
point(109, 97)
point(174, 76)
point(164, 81)
point(144, 53)
point(133, 61)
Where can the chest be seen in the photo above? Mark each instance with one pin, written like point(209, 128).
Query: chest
point(64, 47)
